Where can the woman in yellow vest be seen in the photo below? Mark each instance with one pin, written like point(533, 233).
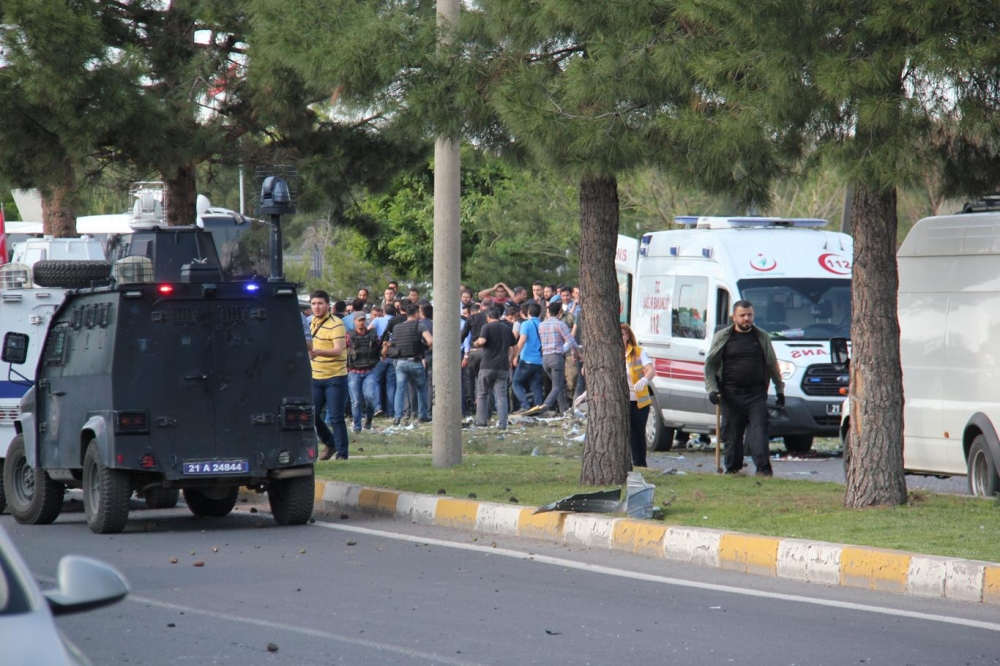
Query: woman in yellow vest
point(640, 370)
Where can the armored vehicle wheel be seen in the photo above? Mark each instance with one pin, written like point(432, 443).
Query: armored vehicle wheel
point(798, 443)
point(983, 478)
point(292, 499)
point(162, 498)
point(106, 494)
point(70, 274)
point(33, 498)
point(211, 502)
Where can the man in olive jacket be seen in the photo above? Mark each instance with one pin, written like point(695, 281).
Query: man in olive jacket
point(740, 365)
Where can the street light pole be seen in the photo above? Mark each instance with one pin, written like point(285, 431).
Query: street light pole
point(447, 427)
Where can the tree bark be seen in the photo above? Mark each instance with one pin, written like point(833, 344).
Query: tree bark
point(180, 197)
point(873, 459)
point(606, 455)
point(59, 207)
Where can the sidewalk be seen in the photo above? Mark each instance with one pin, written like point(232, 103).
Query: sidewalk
point(797, 559)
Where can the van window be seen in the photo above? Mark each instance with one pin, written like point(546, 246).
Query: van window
point(721, 308)
point(624, 296)
point(689, 312)
point(800, 308)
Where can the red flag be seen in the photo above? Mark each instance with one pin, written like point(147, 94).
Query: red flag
point(3, 238)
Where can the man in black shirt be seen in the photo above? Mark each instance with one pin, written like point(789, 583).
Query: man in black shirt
point(496, 341)
point(740, 365)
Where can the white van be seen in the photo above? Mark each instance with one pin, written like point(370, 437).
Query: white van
point(949, 325)
point(799, 281)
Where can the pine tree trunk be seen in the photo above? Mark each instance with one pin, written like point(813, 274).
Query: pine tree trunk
point(873, 460)
point(180, 197)
point(59, 206)
point(606, 455)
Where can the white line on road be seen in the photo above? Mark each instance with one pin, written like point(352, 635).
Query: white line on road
point(666, 580)
point(305, 631)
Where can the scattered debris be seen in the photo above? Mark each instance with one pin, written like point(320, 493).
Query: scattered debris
point(173, 560)
point(271, 647)
point(344, 516)
point(553, 633)
point(352, 542)
point(600, 501)
point(442, 491)
point(199, 563)
point(472, 495)
point(253, 509)
point(215, 549)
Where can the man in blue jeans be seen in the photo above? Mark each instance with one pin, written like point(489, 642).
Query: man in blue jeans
point(411, 340)
point(363, 355)
point(329, 373)
point(528, 372)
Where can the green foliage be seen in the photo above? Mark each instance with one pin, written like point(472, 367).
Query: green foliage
point(518, 225)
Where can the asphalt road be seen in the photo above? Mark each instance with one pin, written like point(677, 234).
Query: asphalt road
point(359, 591)
point(825, 463)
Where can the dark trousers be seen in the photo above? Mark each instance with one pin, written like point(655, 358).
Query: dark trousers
point(475, 360)
point(744, 417)
point(637, 433)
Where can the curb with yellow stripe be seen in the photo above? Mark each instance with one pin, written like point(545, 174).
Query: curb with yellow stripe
point(797, 559)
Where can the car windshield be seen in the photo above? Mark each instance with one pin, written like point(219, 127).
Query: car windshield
point(801, 308)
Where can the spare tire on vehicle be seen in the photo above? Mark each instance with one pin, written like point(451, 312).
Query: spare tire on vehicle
point(70, 274)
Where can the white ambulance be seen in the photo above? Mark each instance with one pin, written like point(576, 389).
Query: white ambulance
point(949, 343)
point(799, 280)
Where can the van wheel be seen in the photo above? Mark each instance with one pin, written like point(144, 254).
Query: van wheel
point(983, 480)
point(658, 436)
point(106, 494)
point(798, 443)
point(33, 498)
point(162, 498)
point(292, 499)
point(211, 502)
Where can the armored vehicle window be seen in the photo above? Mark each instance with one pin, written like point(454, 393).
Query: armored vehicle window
point(55, 348)
point(171, 249)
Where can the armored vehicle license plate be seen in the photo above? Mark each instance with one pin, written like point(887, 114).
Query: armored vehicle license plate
point(834, 409)
point(217, 467)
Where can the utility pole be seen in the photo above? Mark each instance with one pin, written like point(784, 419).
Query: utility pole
point(446, 448)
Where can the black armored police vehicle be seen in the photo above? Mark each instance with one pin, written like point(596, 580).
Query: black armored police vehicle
point(167, 378)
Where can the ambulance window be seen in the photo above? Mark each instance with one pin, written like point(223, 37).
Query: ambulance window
point(721, 308)
point(689, 312)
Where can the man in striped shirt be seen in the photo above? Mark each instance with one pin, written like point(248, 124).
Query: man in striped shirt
point(556, 342)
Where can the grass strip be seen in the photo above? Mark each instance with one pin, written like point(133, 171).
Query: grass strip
point(930, 523)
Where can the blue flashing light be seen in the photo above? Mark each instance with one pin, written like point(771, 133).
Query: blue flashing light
point(252, 286)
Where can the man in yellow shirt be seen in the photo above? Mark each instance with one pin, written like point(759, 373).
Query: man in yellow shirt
point(329, 374)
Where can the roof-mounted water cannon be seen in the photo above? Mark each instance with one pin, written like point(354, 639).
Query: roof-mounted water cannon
point(275, 201)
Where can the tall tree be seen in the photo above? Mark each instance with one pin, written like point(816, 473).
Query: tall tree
point(864, 81)
point(60, 93)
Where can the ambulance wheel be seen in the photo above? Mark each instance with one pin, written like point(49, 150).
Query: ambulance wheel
point(292, 499)
point(32, 497)
point(658, 436)
point(106, 494)
point(211, 502)
point(798, 443)
point(983, 480)
point(70, 274)
point(162, 498)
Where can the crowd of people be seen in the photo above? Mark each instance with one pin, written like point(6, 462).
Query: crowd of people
point(521, 353)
